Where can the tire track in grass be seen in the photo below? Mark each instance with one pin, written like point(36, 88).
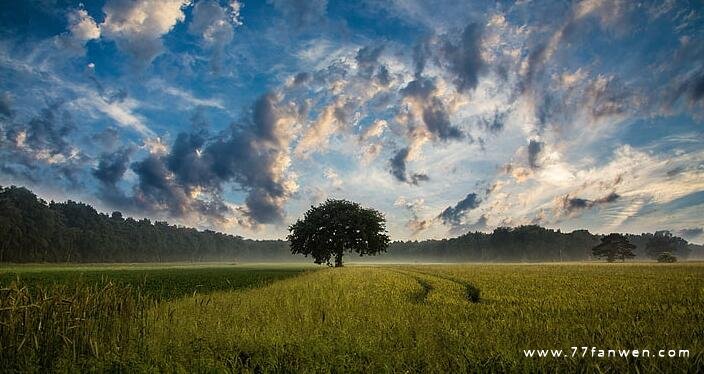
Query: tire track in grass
point(422, 295)
point(472, 292)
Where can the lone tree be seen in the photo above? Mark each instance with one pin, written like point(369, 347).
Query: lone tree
point(614, 246)
point(334, 227)
point(666, 257)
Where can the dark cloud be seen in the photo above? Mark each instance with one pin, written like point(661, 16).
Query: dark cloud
point(613, 196)
point(571, 204)
point(577, 203)
point(302, 78)
point(696, 89)
point(398, 169)
point(534, 149)
point(45, 133)
point(463, 58)
point(493, 124)
point(368, 59)
point(6, 105)
point(187, 162)
point(421, 53)
point(434, 115)
point(301, 13)
point(155, 191)
point(398, 165)
point(368, 65)
point(107, 138)
point(41, 149)
point(453, 215)
point(248, 155)
point(112, 166)
point(691, 86)
point(383, 76)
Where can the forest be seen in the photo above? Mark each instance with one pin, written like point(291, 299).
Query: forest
point(33, 230)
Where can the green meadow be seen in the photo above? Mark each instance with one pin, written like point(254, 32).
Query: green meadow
point(360, 318)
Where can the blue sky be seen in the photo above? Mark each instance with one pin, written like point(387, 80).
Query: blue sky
point(447, 116)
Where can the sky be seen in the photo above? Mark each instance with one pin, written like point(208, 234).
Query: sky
point(447, 116)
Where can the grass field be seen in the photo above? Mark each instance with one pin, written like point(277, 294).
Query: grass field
point(389, 318)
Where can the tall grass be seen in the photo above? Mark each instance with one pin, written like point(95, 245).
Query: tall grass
point(460, 318)
point(62, 326)
point(64, 320)
point(420, 319)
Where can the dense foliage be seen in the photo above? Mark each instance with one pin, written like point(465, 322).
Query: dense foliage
point(664, 242)
point(524, 243)
point(32, 230)
point(614, 246)
point(336, 227)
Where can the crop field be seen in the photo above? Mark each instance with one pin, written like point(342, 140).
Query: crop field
point(371, 318)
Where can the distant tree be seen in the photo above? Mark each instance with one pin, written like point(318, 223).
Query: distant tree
point(664, 241)
point(666, 257)
point(614, 246)
point(334, 227)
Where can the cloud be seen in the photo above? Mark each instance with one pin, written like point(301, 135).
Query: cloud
point(415, 224)
point(398, 169)
point(495, 123)
point(453, 215)
point(374, 130)
point(138, 25)
point(464, 59)
point(82, 26)
point(368, 62)
point(690, 233)
point(572, 204)
point(6, 105)
point(330, 121)
point(190, 177)
point(605, 97)
point(112, 166)
point(301, 78)
point(426, 107)
point(40, 149)
point(534, 149)
point(45, 134)
point(215, 24)
point(301, 13)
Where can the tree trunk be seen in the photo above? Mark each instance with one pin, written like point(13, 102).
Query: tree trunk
point(338, 260)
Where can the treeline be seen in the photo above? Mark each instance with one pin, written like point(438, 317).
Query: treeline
point(533, 244)
point(33, 230)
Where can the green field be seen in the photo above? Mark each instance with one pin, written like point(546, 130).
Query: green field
point(389, 318)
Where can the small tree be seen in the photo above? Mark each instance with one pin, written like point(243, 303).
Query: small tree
point(614, 246)
point(338, 226)
point(666, 257)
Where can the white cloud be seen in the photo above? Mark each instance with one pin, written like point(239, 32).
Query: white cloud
point(137, 26)
point(82, 26)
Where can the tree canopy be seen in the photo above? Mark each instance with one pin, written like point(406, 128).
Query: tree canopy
point(335, 227)
point(614, 246)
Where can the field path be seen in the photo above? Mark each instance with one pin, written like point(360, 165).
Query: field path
point(435, 281)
